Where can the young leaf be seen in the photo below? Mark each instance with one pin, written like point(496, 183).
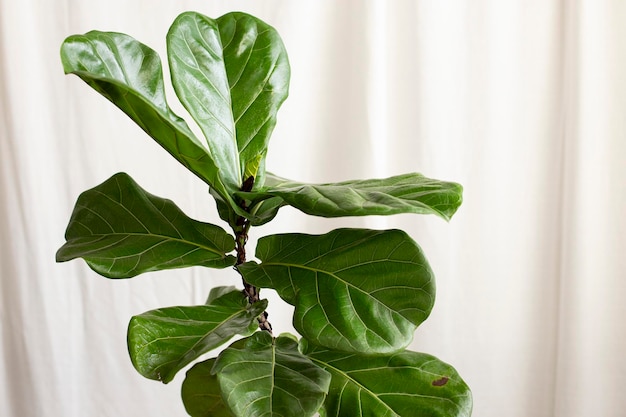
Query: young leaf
point(408, 193)
point(265, 210)
point(263, 376)
point(201, 392)
point(401, 384)
point(232, 75)
point(129, 74)
point(261, 212)
point(162, 342)
point(354, 290)
point(121, 230)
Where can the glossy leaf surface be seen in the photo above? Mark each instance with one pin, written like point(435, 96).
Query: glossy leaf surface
point(129, 74)
point(402, 384)
point(263, 376)
point(232, 75)
point(201, 392)
point(353, 289)
point(121, 231)
point(408, 193)
point(161, 342)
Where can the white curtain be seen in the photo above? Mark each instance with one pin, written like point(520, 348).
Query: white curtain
point(520, 101)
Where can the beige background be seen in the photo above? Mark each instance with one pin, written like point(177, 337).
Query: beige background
point(520, 101)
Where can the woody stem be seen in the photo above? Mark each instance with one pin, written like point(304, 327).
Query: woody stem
point(252, 292)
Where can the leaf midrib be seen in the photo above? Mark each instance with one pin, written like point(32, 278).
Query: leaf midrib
point(165, 237)
point(200, 338)
point(374, 395)
point(332, 274)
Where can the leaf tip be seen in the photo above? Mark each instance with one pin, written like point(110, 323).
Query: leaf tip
point(455, 199)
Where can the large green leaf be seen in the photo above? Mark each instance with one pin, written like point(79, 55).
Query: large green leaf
point(263, 376)
point(232, 75)
point(161, 342)
point(258, 75)
point(201, 392)
point(408, 193)
point(402, 384)
point(129, 74)
point(353, 289)
point(121, 230)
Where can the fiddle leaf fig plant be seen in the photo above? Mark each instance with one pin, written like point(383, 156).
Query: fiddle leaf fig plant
point(358, 294)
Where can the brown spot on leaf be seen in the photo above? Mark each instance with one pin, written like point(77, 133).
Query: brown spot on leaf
point(441, 381)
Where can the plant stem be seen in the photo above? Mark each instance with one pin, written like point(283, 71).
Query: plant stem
point(241, 238)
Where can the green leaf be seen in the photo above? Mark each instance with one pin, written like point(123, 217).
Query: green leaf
point(262, 376)
point(161, 342)
point(121, 230)
point(129, 74)
point(232, 75)
point(260, 212)
point(401, 384)
point(218, 292)
point(201, 392)
point(408, 193)
point(353, 289)
point(264, 211)
point(258, 75)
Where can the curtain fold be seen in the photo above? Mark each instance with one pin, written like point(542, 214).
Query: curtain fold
point(520, 101)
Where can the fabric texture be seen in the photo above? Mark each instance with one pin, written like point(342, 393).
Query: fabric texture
point(520, 101)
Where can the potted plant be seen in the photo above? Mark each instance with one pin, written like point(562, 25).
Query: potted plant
point(358, 294)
